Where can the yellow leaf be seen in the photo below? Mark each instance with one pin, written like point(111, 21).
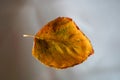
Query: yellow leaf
point(61, 44)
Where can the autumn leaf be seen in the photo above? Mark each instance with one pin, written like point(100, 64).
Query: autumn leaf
point(61, 44)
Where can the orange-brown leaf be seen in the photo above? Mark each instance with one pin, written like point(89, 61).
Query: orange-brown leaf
point(61, 44)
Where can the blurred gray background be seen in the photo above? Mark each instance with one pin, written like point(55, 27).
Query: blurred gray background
point(98, 19)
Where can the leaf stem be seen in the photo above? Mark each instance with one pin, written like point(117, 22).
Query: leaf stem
point(30, 36)
point(25, 35)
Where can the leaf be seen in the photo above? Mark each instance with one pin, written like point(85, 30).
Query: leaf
point(61, 44)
